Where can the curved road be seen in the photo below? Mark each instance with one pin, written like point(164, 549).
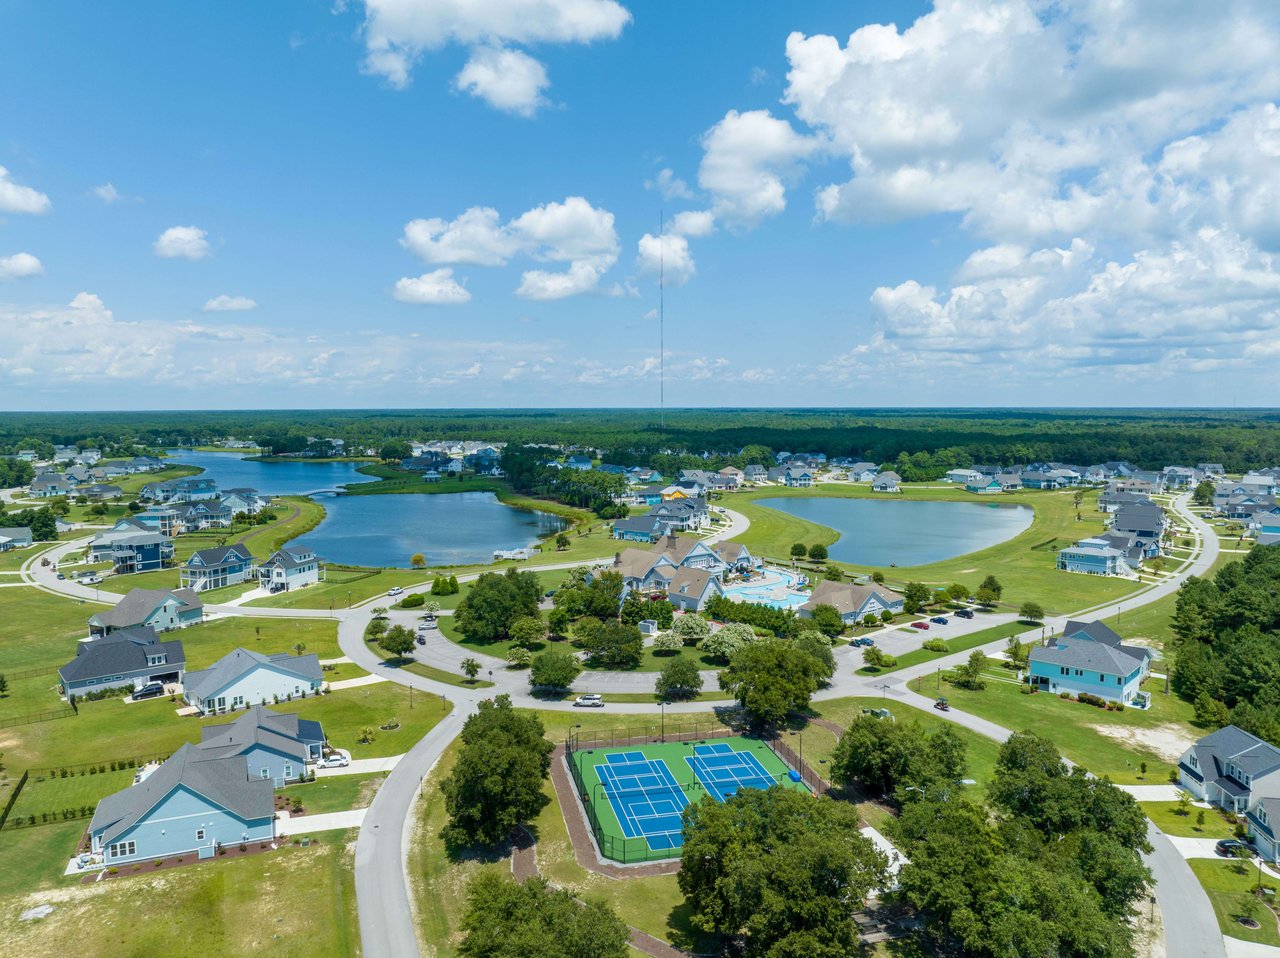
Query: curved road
point(382, 889)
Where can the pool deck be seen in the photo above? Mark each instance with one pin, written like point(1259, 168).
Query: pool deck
point(772, 587)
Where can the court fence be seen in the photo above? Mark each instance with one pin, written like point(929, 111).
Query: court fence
point(629, 851)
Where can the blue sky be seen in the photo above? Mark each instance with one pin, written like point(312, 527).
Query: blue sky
point(413, 203)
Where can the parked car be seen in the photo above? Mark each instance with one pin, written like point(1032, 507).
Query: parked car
point(422, 639)
point(148, 691)
point(964, 613)
point(61, 576)
point(591, 700)
point(920, 625)
point(395, 591)
point(334, 760)
point(549, 593)
point(91, 580)
point(866, 641)
point(942, 705)
point(939, 620)
point(1232, 847)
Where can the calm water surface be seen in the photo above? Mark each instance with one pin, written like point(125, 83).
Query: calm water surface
point(883, 532)
point(232, 471)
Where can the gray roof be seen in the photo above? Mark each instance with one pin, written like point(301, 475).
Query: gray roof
point(222, 781)
point(650, 524)
point(1234, 745)
point(1087, 655)
point(220, 555)
point(239, 662)
point(15, 532)
point(284, 733)
point(1101, 632)
point(289, 559)
point(124, 650)
point(138, 604)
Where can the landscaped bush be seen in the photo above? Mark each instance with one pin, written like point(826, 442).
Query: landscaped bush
point(777, 621)
point(415, 600)
point(935, 645)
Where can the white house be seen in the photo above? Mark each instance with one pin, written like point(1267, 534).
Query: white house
point(290, 569)
point(1239, 772)
point(242, 678)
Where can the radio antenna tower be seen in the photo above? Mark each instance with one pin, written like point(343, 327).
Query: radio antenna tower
point(662, 330)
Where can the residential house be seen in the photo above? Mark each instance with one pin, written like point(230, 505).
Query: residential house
point(243, 500)
point(852, 601)
point(886, 482)
point(1240, 772)
point(978, 483)
point(242, 678)
point(144, 464)
point(689, 514)
point(1093, 661)
point(1145, 520)
point(47, 486)
point(1009, 481)
point(191, 804)
point(275, 746)
point(1041, 479)
point(158, 609)
point(648, 528)
point(798, 477)
point(643, 570)
point(77, 474)
point(737, 557)
point(863, 471)
point(218, 567)
point(755, 473)
point(1180, 477)
point(124, 658)
point(203, 514)
point(691, 589)
point(647, 495)
point(290, 569)
point(732, 476)
point(89, 456)
point(162, 519)
point(98, 491)
point(689, 553)
point(1093, 557)
point(131, 547)
point(1258, 483)
point(1211, 470)
point(1112, 501)
point(578, 462)
point(960, 476)
point(14, 537)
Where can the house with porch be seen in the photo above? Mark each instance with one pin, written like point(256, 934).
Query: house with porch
point(15, 537)
point(852, 601)
point(242, 678)
point(755, 473)
point(737, 557)
point(961, 477)
point(131, 547)
point(688, 553)
point(1093, 557)
point(290, 569)
point(218, 567)
point(798, 477)
point(886, 482)
point(688, 514)
point(159, 609)
point(192, 804)
point(863, 472)
point(125, 658)
point(276, 746)
point(1239, 772)
point(48, 486)
point(1090, 660)
point(980, 484)
point(649, 528)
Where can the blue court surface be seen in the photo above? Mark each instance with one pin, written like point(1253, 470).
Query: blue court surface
point(645, 797)
point(723, 771)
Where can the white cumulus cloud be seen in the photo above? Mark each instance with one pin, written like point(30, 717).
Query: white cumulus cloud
point(19, 265)
point(182, 242)
point(436, 288)
point(229, 304)
point(107, 193)
point(15, 198)
point(748, 158)
point(506, 79)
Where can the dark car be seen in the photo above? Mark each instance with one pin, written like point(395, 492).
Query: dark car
point(963, 613)
point(1233, 848)
point(148, 691)
point(422, 640)
point(549, 593)
point(61, 576)
point(939, 620)
point(922, 625)
point(942, 705)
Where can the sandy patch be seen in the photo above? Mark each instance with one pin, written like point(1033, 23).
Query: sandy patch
point(1168, 741)
point(963, 571)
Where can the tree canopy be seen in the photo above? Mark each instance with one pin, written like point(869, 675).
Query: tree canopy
point(495, 602)
point(771, 679)
point(530, 919)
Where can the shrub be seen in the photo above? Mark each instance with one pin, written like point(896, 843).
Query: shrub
point(668, 643)
point(935, 645)
point(519, 656)
point(691, 629)
point(415, 600)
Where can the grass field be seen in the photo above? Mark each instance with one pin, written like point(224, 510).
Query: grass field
point(1172, 822)
point(1227, 883)
point(1024, 564)
point(1106, 743)
point(335, 793)
point(614, 841)
point(285, 904)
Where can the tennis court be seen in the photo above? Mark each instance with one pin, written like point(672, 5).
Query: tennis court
point(635, 794)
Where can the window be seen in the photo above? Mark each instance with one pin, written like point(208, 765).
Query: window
point(199, 834)
point(266, 773)
point(288, 771)
point(122, 849)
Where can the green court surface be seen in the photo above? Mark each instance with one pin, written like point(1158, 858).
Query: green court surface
point(634, 794)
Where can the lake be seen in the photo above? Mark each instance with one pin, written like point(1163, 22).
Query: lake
point(455, 528)
point(231, 470)
point(884, 532)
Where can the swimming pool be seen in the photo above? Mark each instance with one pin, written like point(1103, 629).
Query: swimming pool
point(775, 588)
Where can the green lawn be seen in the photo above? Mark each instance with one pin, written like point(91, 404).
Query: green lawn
point(1172, 822)
point(1135, 736)
point(430, 671)
point(38, 629)
point(342, 588)
point(1024, 564)
point(209, 641)
point(52, 795)
point(32, 859)
point(293, 902)
point(1226, 887)
point(13, 559)
point(335, 793)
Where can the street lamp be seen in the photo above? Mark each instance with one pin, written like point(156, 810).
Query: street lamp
point(662, 706)
point(348, 598)
point(884, 692)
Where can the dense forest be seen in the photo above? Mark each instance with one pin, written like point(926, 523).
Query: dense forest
point(931, 438)
point(1227, 654)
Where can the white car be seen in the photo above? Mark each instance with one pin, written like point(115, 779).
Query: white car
point(336, 760)
point(396, 591)
point(592, 700)
point(91, 580)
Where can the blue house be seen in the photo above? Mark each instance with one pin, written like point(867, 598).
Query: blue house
point(1093, 557)
point(275, 746)
point(641, 528)
point(215, 568)
point(192, 804)
point(124, 659)
point(1090, 658)
point(159, 609)
point(578, 462)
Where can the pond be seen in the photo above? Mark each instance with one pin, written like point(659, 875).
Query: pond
point(231, 470)
point(885, 532)
point(456, 528)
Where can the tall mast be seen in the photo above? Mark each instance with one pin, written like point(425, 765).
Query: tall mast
point(662, 333)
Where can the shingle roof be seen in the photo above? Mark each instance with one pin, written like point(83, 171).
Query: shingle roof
point(1086, 655)
point(239, 662)
point(284, 732)
point(847, 596)
point(689, 582)
point(222, 781)
point(219, 555)
point(137, 604)
point(124, 650)
point(290, 559)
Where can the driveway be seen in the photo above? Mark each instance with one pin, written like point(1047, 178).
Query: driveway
point(1194, 847)
point(362, 766)
point(332, 821)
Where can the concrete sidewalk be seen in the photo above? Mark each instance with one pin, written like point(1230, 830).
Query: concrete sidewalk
point(362, 766)
point(306, 824)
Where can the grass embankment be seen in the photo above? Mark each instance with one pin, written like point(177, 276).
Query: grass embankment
point(292, 902)
point(1227, 884)
point(1025, 564)
point(1114, 744)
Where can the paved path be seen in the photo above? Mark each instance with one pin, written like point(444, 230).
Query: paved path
point(361, 766)
point(356, 682)
point(331, 821)
point(1152, 793)
point(1194, 847)
point(1238, 948)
